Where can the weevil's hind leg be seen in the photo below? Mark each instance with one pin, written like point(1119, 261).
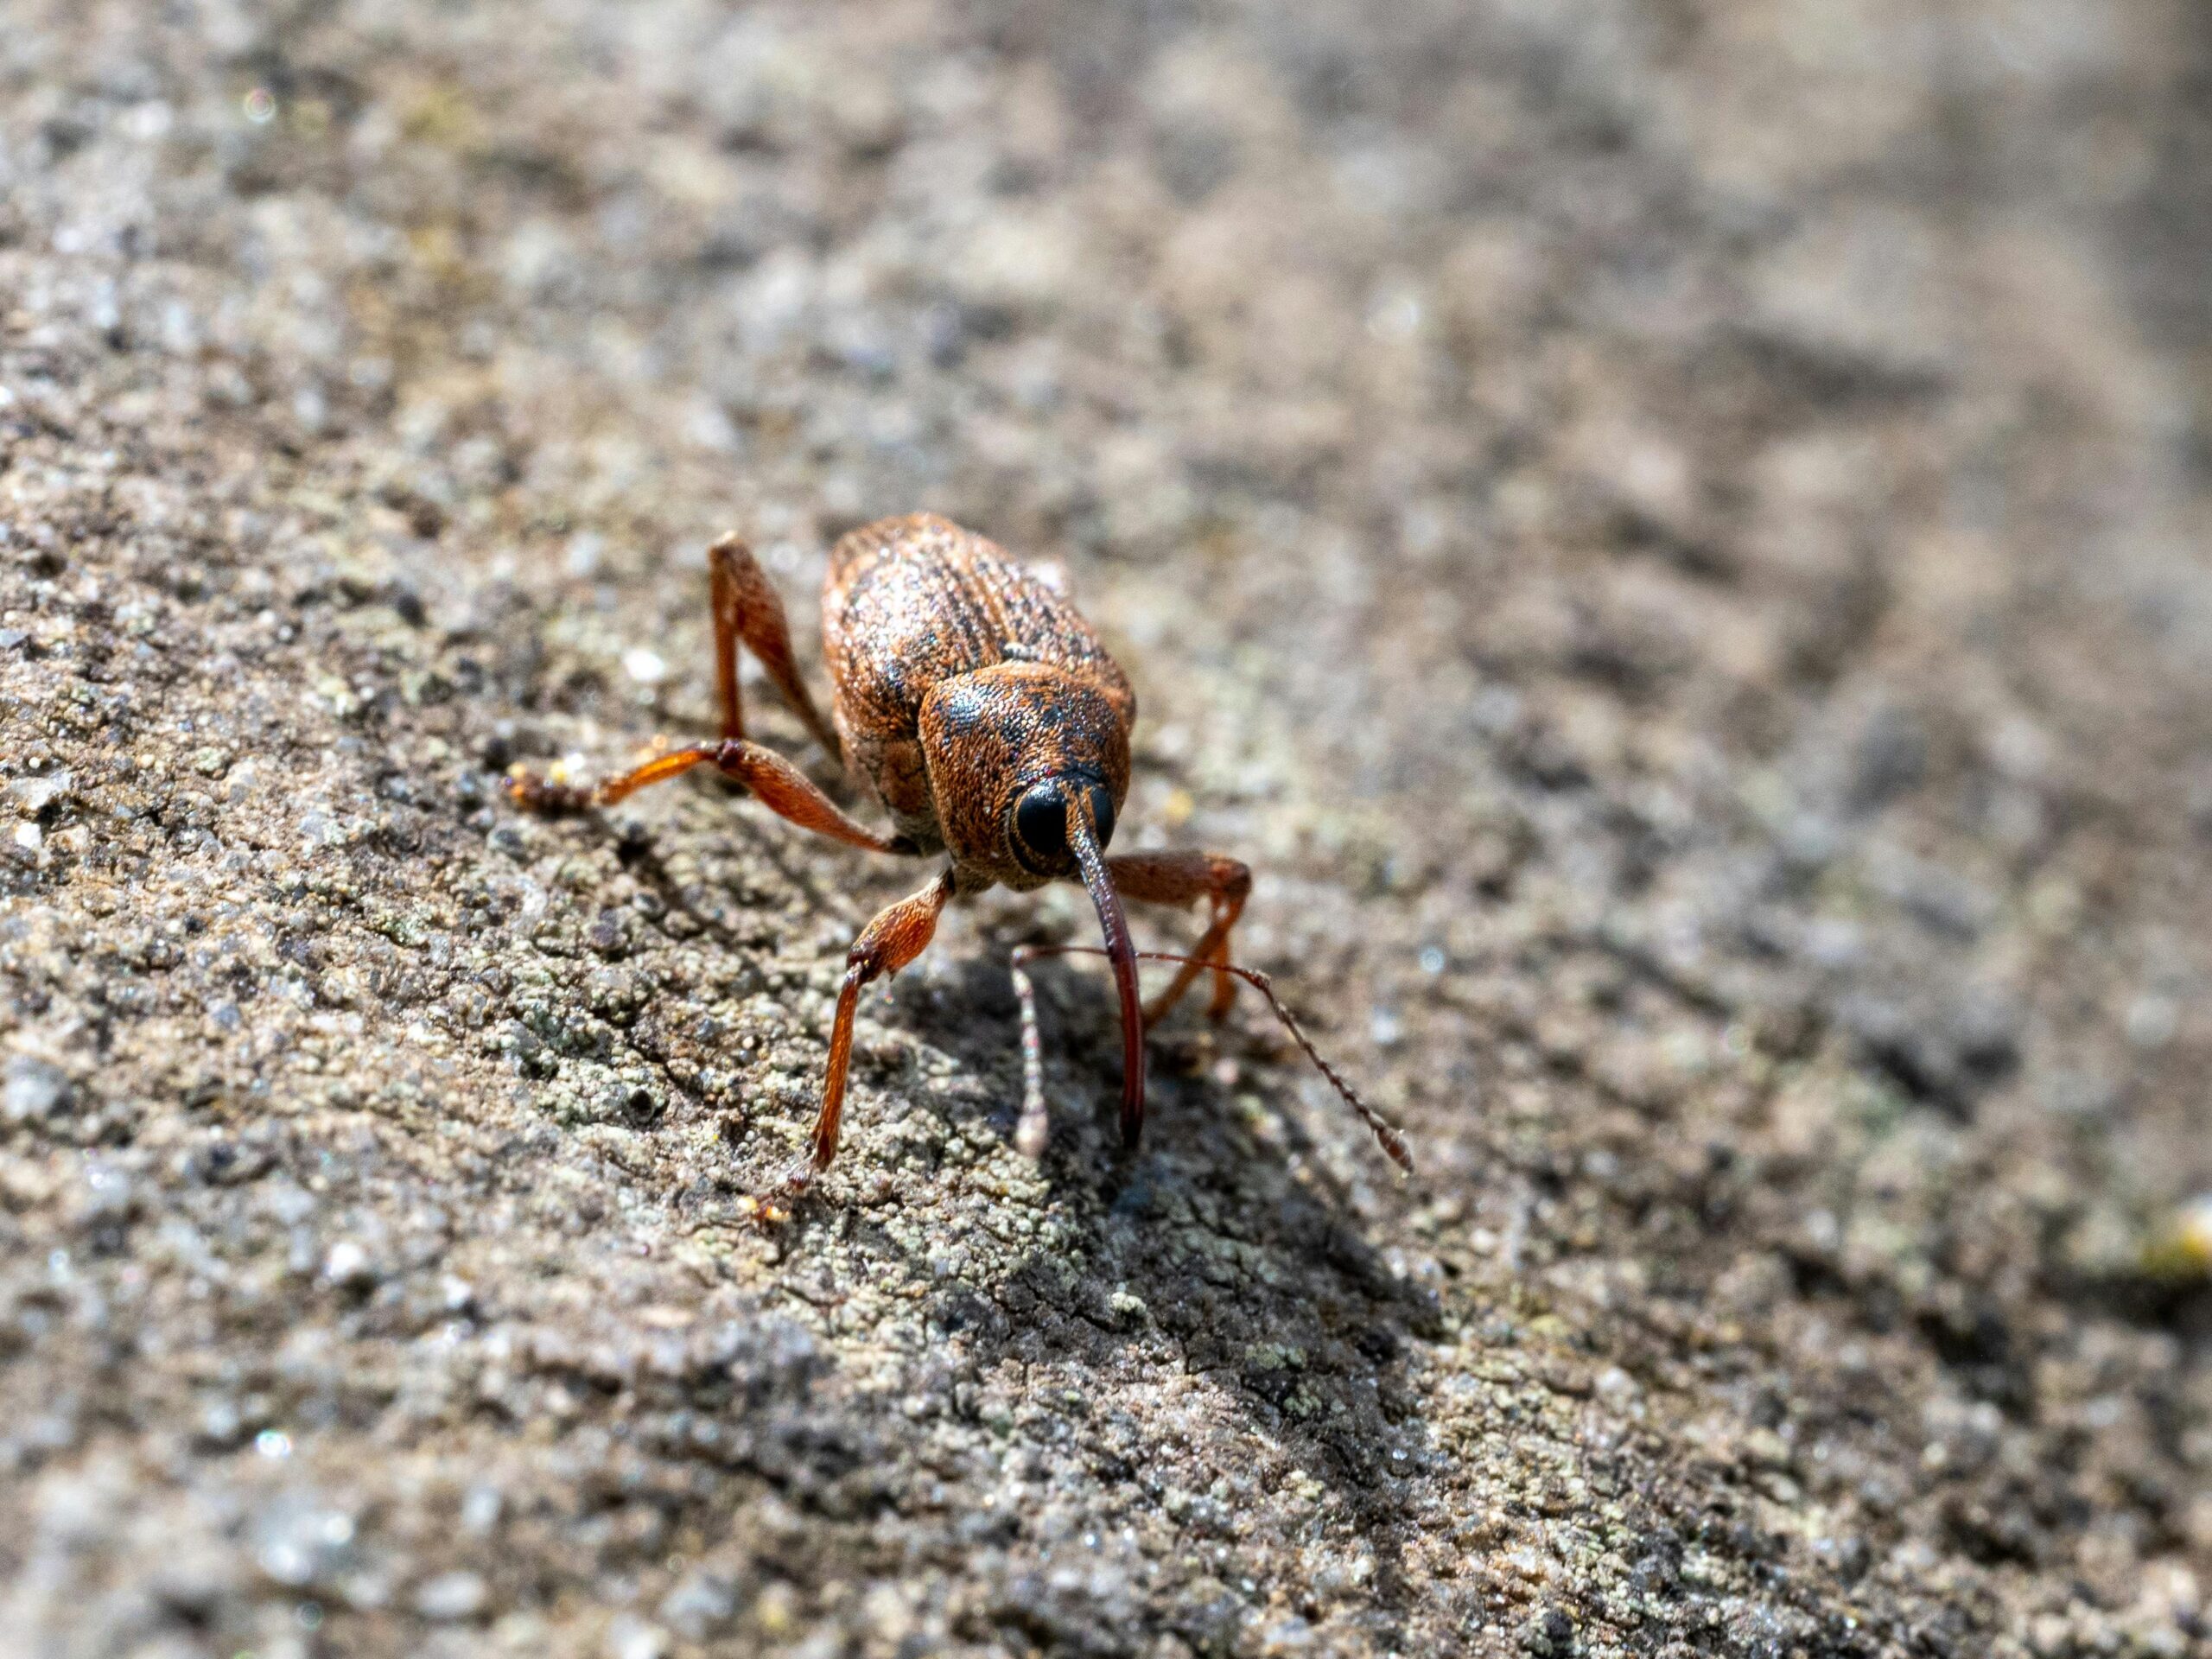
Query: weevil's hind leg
point(898, 934)
point(1182, 879)
point(780, 786)
point(747, 608)
point(552, 791)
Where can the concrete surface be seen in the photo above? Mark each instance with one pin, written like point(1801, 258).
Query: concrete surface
point(1672, 535)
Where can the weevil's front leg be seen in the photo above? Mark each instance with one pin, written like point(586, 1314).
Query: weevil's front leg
point(898, 934)
point(746, 608)
point(781, 787)
point(1182, 879)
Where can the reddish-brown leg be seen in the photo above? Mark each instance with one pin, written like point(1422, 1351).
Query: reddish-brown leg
point(746, 608)
point(1183, 879)
point(898, 934)
point(782, 788)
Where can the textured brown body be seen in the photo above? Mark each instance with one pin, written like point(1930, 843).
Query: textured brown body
point(925, 624)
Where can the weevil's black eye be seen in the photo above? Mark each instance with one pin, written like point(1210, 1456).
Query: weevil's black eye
point(1102, 812)
point(1040, 822)
point(1040, 827)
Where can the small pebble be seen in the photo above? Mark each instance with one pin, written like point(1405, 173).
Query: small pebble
point(348, 1266)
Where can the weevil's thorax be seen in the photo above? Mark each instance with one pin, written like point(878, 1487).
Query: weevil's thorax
point(990, 738)
point(959, 677)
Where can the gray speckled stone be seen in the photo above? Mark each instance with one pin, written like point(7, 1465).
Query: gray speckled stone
point(1669, 537)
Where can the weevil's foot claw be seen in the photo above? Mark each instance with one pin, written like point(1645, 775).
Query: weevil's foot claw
point(763, 1212)
point(796, 1179)
point(546, 791)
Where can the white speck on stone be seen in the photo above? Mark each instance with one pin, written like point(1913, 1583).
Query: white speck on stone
point(644, 665)
point(480, 1510)
point(30, 837)
point(1395, 315)
point(451, 1596)
point(630, 1637)
point(1831, 943)
point(348, 1265)
point(1616, 1384)
point(34, 1090)
point(584, 548)
point(287, 1561)
point(219, 1423)
point(699, 1604)
point(706, 425)
point(109, 1191)
point(287, 1202)
point(2151, 1020)
point(298, 1540)
point(34, 794)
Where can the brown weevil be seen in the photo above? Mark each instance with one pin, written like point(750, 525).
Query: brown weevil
point(993, 728)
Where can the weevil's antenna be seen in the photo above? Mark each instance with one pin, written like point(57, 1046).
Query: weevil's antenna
point(1033, 1110)
point(1119, 951)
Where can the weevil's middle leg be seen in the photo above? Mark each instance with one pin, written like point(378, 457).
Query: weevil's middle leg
point(898, 934)
point(747, 608)
point(1182, 879)
point(780, 787)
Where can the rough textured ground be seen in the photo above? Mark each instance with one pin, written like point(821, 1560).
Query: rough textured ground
point(1672, 535)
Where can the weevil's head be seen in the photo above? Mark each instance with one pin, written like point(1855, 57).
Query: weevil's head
point(1017, 753)
point(1029, 765)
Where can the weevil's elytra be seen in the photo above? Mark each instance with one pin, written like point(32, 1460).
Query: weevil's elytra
point(990, 722)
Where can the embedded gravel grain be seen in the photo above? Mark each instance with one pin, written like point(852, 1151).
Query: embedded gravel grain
point(1671, 535)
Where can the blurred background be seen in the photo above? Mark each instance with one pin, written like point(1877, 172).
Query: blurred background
point(1672, 535)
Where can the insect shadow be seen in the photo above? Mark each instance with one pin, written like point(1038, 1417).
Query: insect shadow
point(1219, 1250)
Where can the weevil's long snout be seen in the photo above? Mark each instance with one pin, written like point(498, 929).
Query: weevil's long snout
point(1083, 841)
